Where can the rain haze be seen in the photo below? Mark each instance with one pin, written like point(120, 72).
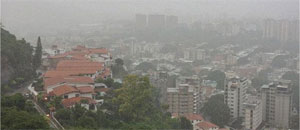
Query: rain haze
point(150, 64)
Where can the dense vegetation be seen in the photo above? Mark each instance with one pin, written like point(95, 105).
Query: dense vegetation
point(216, 111)
point(145, 66)
point(118, 70)
point(132, 106)
point(294, 77)
point(217, 76)
point(17, 60)
point(19, 113)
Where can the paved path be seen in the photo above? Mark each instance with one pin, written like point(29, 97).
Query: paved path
point(23, 89)
point(41, 111)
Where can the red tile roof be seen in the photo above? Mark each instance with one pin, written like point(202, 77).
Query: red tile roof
point(85, 89)
point(71, 101)
point(57, 73)
point(70, 65)
point(64, 89)
point(193, 116)
point(98, 51)
point(206, 125)
point(190, 116)
point(67, 79)
point(101, 89)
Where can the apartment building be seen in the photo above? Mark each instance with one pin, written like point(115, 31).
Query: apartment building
point(183, 99)
point(235, 95)
point(253, 112)
point(277, 104)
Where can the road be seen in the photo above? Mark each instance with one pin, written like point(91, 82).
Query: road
point(41, 111)
point(22, 89)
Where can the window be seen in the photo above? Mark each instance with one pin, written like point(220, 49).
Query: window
point(77, 95)
point(66, 96)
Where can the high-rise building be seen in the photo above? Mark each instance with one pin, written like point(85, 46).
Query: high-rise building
point(160, 81)
point(171, 21)
point(156, 21)
point(283, 30)
point(141, 21)
point(235, 95)
point(253, 112)
point(277, 104)
point(183, 99)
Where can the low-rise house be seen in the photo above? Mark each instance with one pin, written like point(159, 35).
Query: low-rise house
point(65, 91)
point(85, 102)
point(193, 118)
point(205, 125)
point(51, 83)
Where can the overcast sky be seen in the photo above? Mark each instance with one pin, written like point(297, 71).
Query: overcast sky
point(29, 15)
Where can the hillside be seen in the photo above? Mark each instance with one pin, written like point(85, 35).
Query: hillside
point(16, 60)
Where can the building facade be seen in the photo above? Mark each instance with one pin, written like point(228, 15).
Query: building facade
point(235, 95)
point(253, 112)
point(277, 104)
point(183, 99)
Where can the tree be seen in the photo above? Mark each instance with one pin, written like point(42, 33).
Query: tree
point(11, 118)
point(118, 70)
point(257, 82)
point(17, 113)
point(291, 75)
point(215, 110)
point(135, 99)
point(16, 58)
point(16, 100)
point(294, 123)
point(86, 122)
point(119, 62)
point(64, 116)
point(279, 61)
point(185, 124)
point(145, 66)
point(37, 59)
point(294, 77)
point(217, 76)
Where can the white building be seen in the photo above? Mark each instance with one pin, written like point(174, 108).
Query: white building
point(253, 112)
point(277, 104)
point(235, 95)
point(183, 99)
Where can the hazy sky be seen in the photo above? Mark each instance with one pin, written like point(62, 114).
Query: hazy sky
point(23, 16)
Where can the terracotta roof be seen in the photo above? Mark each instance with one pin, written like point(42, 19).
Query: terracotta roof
point(67, 79)
point(101, 89)
point(64, 89)
point(190, 116)
point(71, 101)
point(206, 125)
point(106, 73)
point(98, 51)
point(85, 89)
point(69, 65)
point(193, 116)
point(57, 73)
point(59, 56)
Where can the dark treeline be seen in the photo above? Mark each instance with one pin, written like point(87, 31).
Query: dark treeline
point(18, 60)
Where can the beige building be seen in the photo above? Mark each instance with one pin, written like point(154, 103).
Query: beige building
point(277, 104)
point(235, 95)
point(283, 30)
point(183, 99)
point(253, 112)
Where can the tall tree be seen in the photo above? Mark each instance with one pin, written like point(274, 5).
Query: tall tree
point(37, 59)
point(217, 76)
point(135, 98)
point(215, 110)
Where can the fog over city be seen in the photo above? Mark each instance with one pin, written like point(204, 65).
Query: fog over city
point(20, 15)
point(150, 64)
